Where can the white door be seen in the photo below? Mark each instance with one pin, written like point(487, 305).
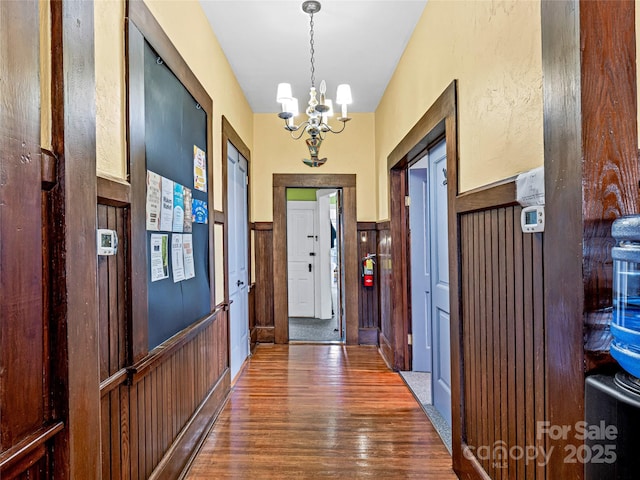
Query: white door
point(238, 259)
point(441, 376)
point(301, 240)
point(420, 264)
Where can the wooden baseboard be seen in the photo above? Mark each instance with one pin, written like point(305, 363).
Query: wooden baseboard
point(368, 336)
point(266, 334)
point(178, 459)
point(386, 350)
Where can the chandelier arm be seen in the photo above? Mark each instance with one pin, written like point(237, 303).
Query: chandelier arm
point(330, 129)
point(302, 131)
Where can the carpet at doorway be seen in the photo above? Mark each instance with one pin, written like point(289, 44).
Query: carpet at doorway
point(313, 330)
point(420, 385)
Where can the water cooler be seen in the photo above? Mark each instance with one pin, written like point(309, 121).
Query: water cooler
point(612, 402)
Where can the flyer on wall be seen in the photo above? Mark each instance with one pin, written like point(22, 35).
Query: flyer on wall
point(154, 193)
point(177, 258)
point(199, 169)
point(178, 208)
point(199, 211)
point(188, 219)
point(166, 213)
point(159, 256)
point(187, 248)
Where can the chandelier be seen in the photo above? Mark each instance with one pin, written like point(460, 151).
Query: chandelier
point(319, 110)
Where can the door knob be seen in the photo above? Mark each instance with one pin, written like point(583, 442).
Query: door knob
point(309, 267)
point(239, 282)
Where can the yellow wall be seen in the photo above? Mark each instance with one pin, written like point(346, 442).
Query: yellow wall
point(493, 48)
point(352, 151)
point(110, 89)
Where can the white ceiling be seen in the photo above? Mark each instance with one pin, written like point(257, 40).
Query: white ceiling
point(356, 41)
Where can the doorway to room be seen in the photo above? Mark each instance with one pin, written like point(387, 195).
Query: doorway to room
point(314, 264)
point(430, 375)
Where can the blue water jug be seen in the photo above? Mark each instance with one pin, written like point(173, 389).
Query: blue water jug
point(625, 326)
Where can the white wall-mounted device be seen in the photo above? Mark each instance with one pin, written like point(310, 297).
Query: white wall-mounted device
point(532, 219)
point(107, 242)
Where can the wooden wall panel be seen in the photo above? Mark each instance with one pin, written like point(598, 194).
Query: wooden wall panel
point(503, 344)
point(112, 295)
point(141, 421)
point(146, 406)
point(263, 237)
point(368, 307)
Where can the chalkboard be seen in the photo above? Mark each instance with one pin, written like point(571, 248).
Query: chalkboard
point(174, 123)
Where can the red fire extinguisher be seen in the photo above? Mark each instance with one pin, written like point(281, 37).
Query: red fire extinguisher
point(367, 270)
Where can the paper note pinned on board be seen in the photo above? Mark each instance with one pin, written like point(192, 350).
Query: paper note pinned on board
point(187, 250)
point(166, 213)
point(159, 257)
point(177, 257)
point(154, 198)
point(199, 169)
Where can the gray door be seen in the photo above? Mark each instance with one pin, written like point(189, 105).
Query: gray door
point(441, 376)
point(420, 264)
point(238, 259)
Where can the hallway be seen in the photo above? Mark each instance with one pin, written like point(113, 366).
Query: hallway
point(311, 411)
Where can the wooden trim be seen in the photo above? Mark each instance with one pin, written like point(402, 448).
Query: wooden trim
point(350, 254)
point(28, 446)
point(314, 181)
point(264, 226)
point(219, 218)
point(151, 30)
point(500, 194)
point(368, 336)
point(366, 226)
point(114, 381)
point(185, 447)
point(138, 323)
point(428, 129)
point(265, 334)
point(113, 192)
point(438, 121)
point(384, 225)
point(235, 139)
point(163, 351)
point(74, 329)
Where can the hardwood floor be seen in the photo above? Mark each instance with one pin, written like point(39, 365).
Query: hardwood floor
point(312, 411)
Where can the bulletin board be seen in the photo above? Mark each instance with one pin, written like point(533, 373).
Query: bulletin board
point(174, 124)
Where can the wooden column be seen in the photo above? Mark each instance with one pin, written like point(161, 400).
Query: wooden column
point(591, 178)
point(75, 311)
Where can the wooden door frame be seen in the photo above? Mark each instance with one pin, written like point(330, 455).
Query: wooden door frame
point(346, 182)
point(438, 122)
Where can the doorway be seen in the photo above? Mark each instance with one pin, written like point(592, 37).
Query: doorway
point(346, 183)
point(238, 258)
point(314, 266)
point(430, 312)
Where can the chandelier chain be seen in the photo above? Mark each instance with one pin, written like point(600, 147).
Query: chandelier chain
point(313, 61)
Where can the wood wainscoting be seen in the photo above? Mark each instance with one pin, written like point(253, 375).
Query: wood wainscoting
point(156, 411)
point(264, 331)
point(502, 322)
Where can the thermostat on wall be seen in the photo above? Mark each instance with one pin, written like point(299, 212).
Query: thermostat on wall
point(532, 219)
point(107, 242)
